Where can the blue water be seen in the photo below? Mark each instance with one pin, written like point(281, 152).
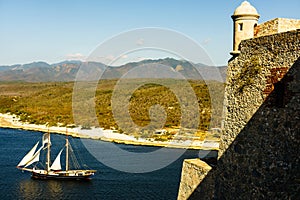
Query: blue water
point(106, 184)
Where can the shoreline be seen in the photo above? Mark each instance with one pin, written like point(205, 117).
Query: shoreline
point(12, 121)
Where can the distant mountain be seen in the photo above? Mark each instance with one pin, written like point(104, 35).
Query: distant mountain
point(67, 70)
point(40, 72)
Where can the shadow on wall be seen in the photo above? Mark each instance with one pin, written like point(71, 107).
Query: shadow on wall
point(263, 161)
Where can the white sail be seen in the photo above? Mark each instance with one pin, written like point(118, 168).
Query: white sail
point(46, 139)
point(55, 170)
point(35, 158)
point(28, 156)
point(56, 164)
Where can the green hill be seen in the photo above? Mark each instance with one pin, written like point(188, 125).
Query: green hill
point(51, 102)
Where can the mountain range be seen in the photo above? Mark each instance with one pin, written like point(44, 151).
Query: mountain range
point(67, 70)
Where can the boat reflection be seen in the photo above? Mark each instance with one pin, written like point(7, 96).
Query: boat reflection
point(32, 189)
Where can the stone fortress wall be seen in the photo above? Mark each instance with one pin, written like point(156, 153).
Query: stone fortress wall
point(253, 76)
point(277, 25)
point(259, 148)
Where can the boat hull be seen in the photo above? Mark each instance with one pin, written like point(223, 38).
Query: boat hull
point(62, 175)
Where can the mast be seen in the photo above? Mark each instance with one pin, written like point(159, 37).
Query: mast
point(48, 152)
point(67, 151)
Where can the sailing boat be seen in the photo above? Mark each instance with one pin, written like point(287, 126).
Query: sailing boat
point(54, 170)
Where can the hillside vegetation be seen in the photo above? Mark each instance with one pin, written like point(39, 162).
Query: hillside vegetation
point(51, 102)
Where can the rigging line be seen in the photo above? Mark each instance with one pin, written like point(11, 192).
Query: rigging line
point(41, 162)
point(77, 153)
point(75, 163)
point(87, 167)
point(73, 157)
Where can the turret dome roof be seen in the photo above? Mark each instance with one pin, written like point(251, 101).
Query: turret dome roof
point(245, 9)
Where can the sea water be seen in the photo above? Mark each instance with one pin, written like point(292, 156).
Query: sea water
point(107, 183)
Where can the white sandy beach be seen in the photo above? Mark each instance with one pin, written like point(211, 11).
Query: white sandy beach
point(12, 121)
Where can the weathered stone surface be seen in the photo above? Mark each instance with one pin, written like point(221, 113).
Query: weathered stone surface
point(277, 25)
point(193, 171)
point(275, 55)
point(259, 149)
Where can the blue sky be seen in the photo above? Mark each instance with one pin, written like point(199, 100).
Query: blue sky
point(53, 31)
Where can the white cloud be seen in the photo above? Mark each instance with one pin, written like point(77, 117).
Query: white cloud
point(110, 59)
point(138, 59)
point(116, 61)
point(75, 56)
point(124, 56)
point(206, 41)
point(107, 59)
point(140, 42)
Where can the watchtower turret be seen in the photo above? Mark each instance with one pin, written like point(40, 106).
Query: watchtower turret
point(245, 18)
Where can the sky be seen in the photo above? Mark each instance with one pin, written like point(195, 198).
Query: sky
point(54, 31)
